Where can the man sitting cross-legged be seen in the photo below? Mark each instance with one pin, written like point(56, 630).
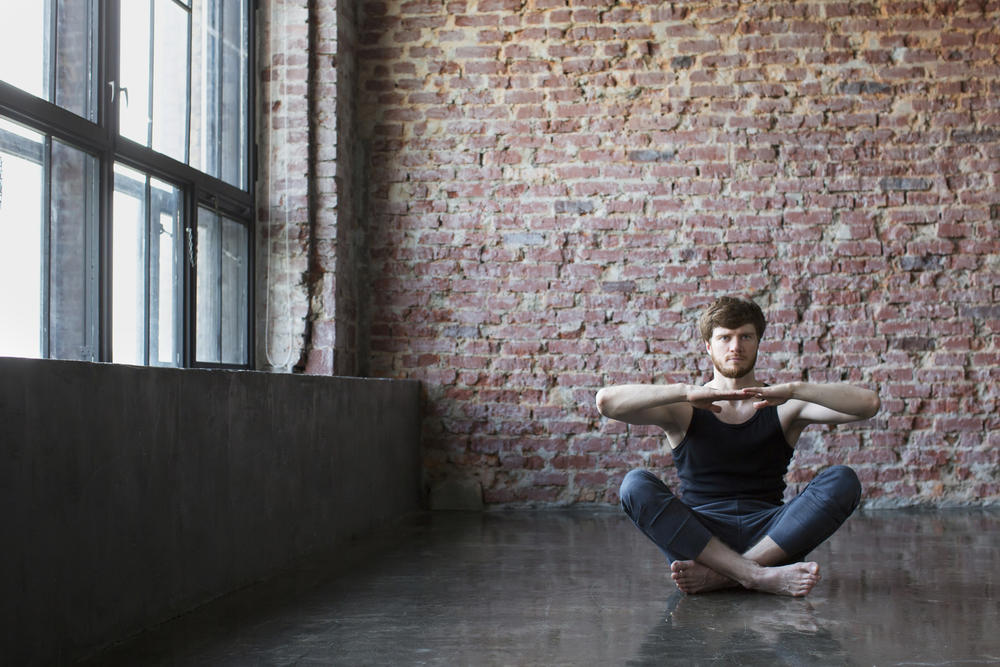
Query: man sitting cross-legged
point(732, 441)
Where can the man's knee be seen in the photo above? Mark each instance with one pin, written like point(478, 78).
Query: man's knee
point(638, 487)
point(843, 486)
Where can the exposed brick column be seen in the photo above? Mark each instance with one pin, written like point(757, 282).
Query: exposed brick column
point(321, 338)
point(314, 323)
point(283, 240)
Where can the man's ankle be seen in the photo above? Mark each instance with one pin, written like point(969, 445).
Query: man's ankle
point(754, 576)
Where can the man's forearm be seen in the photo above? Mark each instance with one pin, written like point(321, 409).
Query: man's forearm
point(846, 398)
point(622, 401)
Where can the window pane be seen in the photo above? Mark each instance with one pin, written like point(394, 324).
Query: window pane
point(170, 79)
point(77, 85)
point(134, 65)
point(146, 270)
point(220, 125)
point(166, 274)
point(128, 271)
point(21, 249)
point(73, 259)
point(24, 45)
point(154, 70)
point(48, 49)
point(223, 301)
point(235, 298)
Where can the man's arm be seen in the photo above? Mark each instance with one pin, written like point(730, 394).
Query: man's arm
point(806, 403)
point(665, 405)
point(641, 404)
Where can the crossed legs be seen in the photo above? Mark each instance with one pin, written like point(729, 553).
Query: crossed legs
point(718, 566)
point(781, 535)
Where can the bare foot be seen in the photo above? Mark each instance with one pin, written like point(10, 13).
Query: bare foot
point(796, 579)
point(693, 577)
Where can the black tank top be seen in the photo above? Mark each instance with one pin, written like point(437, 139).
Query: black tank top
point(719, 461)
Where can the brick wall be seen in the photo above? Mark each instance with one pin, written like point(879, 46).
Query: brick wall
point(353, 297)
point(552, 189)
point(556, 188)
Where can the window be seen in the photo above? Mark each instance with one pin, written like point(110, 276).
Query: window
point(48, 252)
point(147, 267)
point(126, 194)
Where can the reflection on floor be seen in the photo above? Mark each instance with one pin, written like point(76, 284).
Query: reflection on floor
point(584, 587)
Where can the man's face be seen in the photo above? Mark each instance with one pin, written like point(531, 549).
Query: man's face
point(733, 351)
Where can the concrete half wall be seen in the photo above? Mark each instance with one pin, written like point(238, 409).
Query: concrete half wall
point(129, 494)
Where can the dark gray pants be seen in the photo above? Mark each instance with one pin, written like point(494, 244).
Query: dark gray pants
point(799, 526)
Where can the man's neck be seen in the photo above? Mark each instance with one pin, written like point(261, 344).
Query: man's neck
point(720, 381)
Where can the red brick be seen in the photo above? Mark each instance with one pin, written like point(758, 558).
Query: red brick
point(477, 119)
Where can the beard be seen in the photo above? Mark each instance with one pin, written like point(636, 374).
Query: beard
point(737, 369)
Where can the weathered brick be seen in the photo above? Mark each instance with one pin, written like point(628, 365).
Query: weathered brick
point(551, 191)
point(906, 184)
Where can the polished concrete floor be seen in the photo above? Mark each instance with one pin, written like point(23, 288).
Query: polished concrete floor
point(584, 587)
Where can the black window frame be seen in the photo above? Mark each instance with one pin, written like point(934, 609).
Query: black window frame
point(199, 190)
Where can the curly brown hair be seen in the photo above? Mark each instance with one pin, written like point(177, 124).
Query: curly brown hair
point(731, 313)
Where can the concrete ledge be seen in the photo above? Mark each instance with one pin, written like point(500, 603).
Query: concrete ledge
point(132, 494)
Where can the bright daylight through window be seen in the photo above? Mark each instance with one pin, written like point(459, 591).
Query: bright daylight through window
point(126, 228)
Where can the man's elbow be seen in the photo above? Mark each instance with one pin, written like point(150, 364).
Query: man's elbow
point(603, 402)
point(873, 405)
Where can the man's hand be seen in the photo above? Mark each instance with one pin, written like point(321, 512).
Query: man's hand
point(768, 396)
point(706, 398)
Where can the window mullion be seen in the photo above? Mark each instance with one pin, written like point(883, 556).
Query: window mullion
point(147, 271)
point(93, 259)
point(233, 200)
point(152, 73)
point(46, 117)
point(179, 210)
point(188, 82)
point(109, 48)
point(219, 289)
point(190, 274)
point(220, 65)
point(46, 263)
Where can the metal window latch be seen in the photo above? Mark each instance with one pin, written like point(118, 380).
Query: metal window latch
point(190, 247)
point(116, 89)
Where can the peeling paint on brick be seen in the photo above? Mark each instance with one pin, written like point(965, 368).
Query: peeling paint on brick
point(578, 207)
point(906, 184)
point(864, 88)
